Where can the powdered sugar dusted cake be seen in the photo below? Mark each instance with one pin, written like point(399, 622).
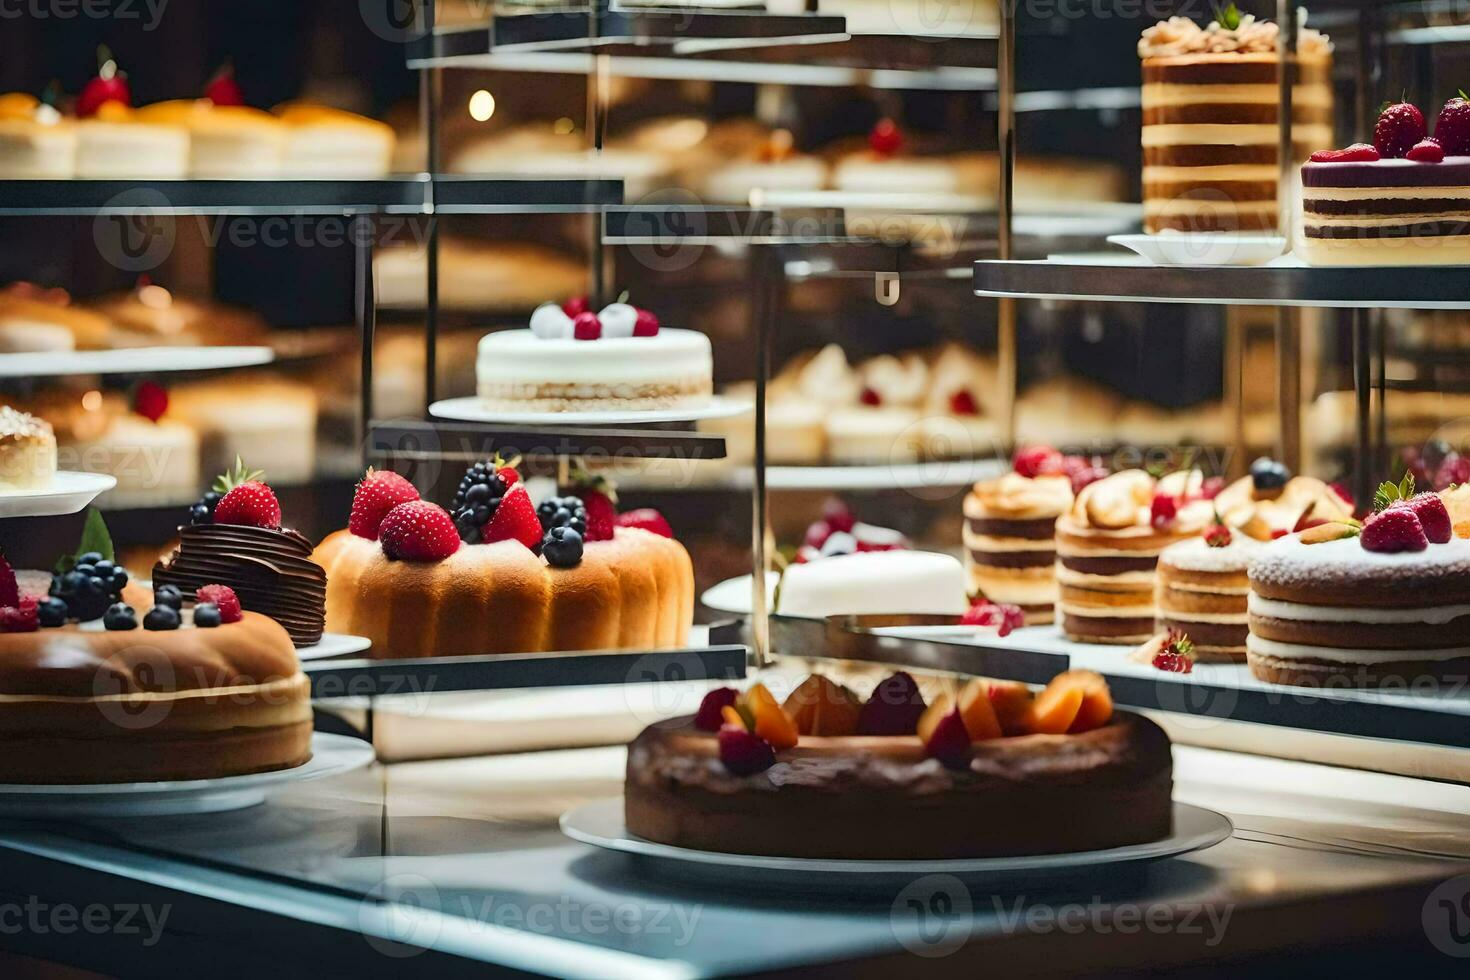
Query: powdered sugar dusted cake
point(619, 359)
point(1336, 612)
point(1202, 592)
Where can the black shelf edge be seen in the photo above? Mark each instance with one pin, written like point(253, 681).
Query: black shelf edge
point(407, 194)
point(332, 679)
point(571, 29)
point(435, 439)
point(852, 638)
point(1352, 287)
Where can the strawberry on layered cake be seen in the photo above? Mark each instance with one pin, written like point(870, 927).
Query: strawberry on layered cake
point(575, 360)
point(1210, 130)
point(501, 574)
point(1010, 530)
point(1203, 583)
point(85, 665)
point(1108, 546)
point(234, 538)
point(988, 769)
point(1404, 200)
point(1387, 603)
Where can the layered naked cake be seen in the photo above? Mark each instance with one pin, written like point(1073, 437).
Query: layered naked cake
point(1202, 593)
point(1210, 122)
point(1386, 212)
point(617, 360)
point(1334, 612)
point(27, 451)
point(1108, 547)
point(1010, 541)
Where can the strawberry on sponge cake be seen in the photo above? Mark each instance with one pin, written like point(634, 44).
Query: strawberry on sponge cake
point(500, 574)
point(1387, 603)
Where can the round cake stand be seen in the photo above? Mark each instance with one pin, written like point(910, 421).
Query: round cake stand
point(472, 409)
point(334, 645)
point(600, 824)
point(331, 755)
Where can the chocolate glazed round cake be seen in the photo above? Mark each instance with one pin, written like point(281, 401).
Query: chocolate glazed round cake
point(270, 570)
point(884, 798)
point(1335, 613)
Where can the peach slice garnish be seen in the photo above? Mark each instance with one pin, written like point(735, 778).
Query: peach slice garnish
point(771, 723)
point(1012, 703)
point(821, 706)
point(1097, 701)
point(978, 713)
point(1055, 709)
point(929, 720)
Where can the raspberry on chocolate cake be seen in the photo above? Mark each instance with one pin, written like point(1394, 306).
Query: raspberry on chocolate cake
point(1009, 537)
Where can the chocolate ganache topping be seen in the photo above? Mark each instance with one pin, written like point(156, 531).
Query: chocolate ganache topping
point(270, 570)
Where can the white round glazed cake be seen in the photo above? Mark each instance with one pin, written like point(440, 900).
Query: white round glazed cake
point(1336, 613)
point(519, 371)
point(874, 583)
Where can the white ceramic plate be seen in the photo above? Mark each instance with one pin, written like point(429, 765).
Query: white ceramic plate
point(473, 410)
point(132, 360)
point(600, 824)
point(331, 755)
point(334, 645)
point(68, 493)
point(733, 594)
point(1203, 249)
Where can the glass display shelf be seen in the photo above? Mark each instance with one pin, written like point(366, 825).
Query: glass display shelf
point(364, 678)
point(436, 439)
point(405, 194)
point(131, 361)
point(1213, 693)
point(1120, 278)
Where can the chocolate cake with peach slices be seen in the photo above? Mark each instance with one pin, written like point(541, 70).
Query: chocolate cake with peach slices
point(1108, 546)
point(991, 769)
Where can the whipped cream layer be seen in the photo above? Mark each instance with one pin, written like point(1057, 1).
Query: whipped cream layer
point(270, 570)
point(673, 367)
point(1300, 651)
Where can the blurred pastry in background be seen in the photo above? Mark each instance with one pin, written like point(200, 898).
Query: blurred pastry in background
point(772, 164)
point(259, 417)
point(874, 434)
point(326, 142)
point(398, 374)
point(35, 141)
point(544, 150)
point(1067, 411)
point(153, 454)
point(884, 166)
point(33, 318)
point(961, 406)
point(118, 143)
point(477, 275)
point(225, 141)
point(27, 451)
point(150, 315)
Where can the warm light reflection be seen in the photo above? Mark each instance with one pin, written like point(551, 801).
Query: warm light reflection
point(482, 105)
point(563, 126)
point(92, 400)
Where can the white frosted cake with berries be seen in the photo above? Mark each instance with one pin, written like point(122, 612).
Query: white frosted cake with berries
point(574, 360)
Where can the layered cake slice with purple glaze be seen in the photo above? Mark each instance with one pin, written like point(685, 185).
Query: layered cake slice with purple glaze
point(1405, 200)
